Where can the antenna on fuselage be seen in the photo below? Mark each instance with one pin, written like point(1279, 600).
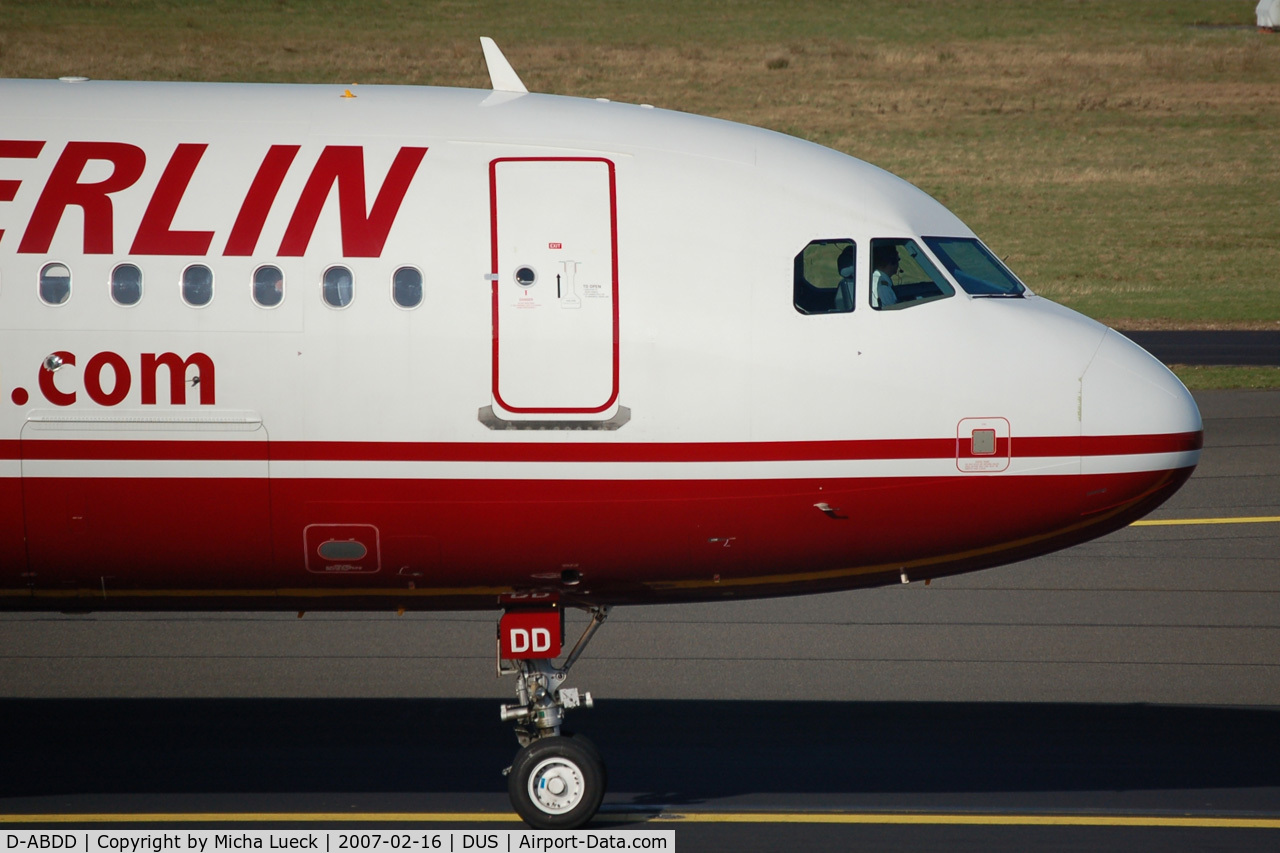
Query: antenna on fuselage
point(501, 74)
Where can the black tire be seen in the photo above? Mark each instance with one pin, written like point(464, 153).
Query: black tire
point(591, 747)
point(556, 783)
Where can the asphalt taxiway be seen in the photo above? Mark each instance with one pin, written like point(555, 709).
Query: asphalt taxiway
point(1211, 347)
point(1123, 694)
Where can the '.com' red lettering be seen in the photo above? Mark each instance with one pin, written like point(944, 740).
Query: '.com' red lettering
point(107, 378)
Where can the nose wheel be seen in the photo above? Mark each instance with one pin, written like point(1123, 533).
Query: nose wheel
point(556, 782)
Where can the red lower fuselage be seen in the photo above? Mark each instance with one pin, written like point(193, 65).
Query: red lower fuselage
point(357, 542)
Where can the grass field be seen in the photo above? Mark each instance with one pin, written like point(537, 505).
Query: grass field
point(1199, 378)
point(1123, 155)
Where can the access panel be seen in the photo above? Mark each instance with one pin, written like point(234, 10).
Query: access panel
point(983, 445)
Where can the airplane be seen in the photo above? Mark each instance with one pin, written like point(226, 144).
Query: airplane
point(318, 347)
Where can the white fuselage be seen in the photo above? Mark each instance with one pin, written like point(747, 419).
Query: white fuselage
point(647, 395)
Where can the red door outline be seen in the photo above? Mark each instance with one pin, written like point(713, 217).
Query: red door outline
point(613, 236)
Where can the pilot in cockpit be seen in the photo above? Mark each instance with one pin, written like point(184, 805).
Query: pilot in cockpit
point(884, 260)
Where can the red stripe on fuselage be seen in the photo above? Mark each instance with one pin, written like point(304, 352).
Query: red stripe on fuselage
point(756, 451)
point(1109, 445)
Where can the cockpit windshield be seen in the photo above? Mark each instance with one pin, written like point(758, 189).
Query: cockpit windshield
point(974, 268)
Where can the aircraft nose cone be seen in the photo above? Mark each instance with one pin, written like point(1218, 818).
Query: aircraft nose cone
point(1127, 391)
point(1140, 429)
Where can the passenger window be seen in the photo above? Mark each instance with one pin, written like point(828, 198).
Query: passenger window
point(337, 287)
point(197, 285)
point(55, 284)
point(975, 269)
point(406, 287)
point(268, 286)
point(824, 282)
point(902, 276)
point(126, 284)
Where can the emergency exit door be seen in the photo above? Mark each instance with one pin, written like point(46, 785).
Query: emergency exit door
point(555, 287)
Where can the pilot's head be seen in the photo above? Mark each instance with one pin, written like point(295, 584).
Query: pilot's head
point(885, 257)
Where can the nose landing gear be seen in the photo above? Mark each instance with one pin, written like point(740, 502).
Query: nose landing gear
point(557, 780)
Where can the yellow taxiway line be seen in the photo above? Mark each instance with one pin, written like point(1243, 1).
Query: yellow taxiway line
point(1171, 522)
point(939, 819)
point(665, 818)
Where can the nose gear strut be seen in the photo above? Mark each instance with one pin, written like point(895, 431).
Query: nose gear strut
point(542, 698)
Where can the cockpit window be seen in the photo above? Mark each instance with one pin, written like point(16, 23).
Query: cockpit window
point(974, 268)
point(824, 281)
point(902, 276)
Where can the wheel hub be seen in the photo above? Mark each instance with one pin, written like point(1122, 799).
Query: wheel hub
point(556, 785)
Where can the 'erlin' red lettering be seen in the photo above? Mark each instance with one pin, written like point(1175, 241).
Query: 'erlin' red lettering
point(177, 377)
point(93, 379)
point(154, 236)
point(16, 149)
point(362, 236)
point(49, 390)
point(64, 189)
point(257, 204)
